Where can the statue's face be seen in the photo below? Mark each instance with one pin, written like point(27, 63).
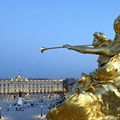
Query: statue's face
point(117, 25)
point(96, 40)
point(117, 28)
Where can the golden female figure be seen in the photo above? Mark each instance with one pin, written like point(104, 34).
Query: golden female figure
point(103, 101)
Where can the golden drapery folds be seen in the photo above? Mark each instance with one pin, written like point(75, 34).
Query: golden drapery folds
point(102, 104)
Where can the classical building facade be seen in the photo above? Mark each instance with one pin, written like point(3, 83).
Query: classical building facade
point(30, 87)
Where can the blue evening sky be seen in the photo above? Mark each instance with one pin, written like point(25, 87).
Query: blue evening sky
point(26, 25)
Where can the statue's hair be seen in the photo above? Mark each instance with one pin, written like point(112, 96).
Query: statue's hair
point(102, 38)
point(100, 35)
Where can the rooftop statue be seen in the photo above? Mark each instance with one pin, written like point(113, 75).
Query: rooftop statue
point(95, 96)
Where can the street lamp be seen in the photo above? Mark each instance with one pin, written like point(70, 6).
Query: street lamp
point(0, 113)
point(41, 111)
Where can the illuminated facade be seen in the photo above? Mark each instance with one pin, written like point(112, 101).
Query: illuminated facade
point(30, 88)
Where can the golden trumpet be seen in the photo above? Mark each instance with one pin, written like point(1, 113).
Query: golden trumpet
point(42, 49)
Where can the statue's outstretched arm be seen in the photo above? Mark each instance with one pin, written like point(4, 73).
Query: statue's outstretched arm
point(88, 50)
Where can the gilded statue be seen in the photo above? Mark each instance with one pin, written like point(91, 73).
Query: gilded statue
point(95, 96)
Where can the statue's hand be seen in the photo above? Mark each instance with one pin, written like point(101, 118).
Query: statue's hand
point(67, 46)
